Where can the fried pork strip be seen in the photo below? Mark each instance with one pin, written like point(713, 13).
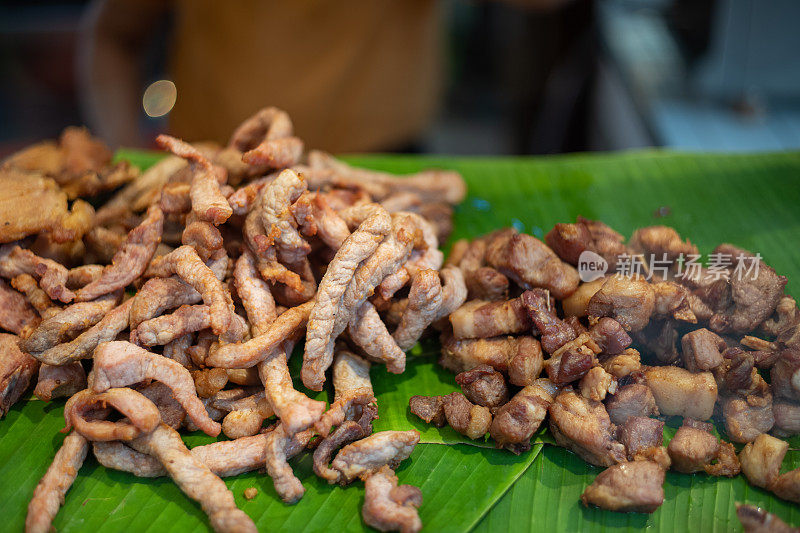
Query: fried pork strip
point(195, 479)
point(368, 455)
point(368, 331)
point(353, 391)
point(389, 506)
point(16, 314)
point(119, 364)
point(296, 410)
point(60, 381)
point(757, 520)
point(131, 259)
point(50, 492)
point(321, 322)
point(141, 414)
point(424, 300)
point(277, 219)
point(17, 369)
point(52, 276)
point(166, 328)
point(280, 448)
point(254, 293)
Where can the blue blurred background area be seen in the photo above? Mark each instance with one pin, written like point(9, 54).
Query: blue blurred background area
point(517, 76)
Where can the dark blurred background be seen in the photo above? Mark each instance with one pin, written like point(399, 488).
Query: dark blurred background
point(573, 75)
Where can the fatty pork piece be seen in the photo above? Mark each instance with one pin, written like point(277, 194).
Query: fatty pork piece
point(520, 358)
point(786, 315)
point(60, 381)
point(530, 263)
point(672, 301)
point(573, 360)
point(17, 369)
point(635, 487)
point(515, 422)
point(628, 300)
point(553, 331)
point(597, 384)
point(702, 350)
point(483, 385)
point(679, 392)
point(659, 338)
point(761, 460)
point(745, 397)
point(694, 448)
point(785, 375)
point(752, 301)
point(660, 241)
point(583, 426)
point(623, 364)
point(643, 439)
point(634, 399)
point(483, 282)
point(478, 319)
point(757, 520)
point(577, 303)
point(569, 241)
point(472, 421)
point(49, 493)
point(365, 456)
point(787, 418)
point(195, 479)
point(389, 506)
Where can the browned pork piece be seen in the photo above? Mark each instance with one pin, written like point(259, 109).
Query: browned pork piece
point(643, 439)
point(17, 369)
point(515, 422)
point(478, 319)
point(520, 358)
point(16, 314)
point(119, 364)
point(702, 350)
point(319, 344)
point(627, 487)
point(786, 315)
point(365, 456)
point(389, 506)
point(757, 520)
point(472, 421)
point(573, 360)
point(628, 300)
point(483, 282)
point(530, 263)
point(583, 426)
point(623, 364)
point(672, 300)
point(31, 203)
point(428, 408)
point(569, 241)
point(745, 397)
point(195, 479)
point(49, 493)
point(483, 385)
point(634, 399)
point(660, 241)
point(787, 418)
point(596, 384)
point(267, 140)
point(554, 332)
point(694, 448)
point(680, 392)
point(761, 460)
point(60, 381)
point(130, 261)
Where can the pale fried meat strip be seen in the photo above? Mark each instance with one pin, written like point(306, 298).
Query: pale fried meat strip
point(39, 300)
point(348, 431)
point(353, 391)
point(141, 414)
point(74, 225)
point(680, 392)
point(249, 353)
point(17, 369)
point(16, 314)
point(60, 381)
point(52, 276)
point(424, 300)
point(480, 319)
point(50, 492)
point(68, 322)
point(118, 456)
point(368, 331)
point(554, 332)
point(483, 385)
point(207, 201)
point(583, 426)
point(278, 148)
point(158, 295)
point(119, 363)
point(427, 257)
point(530, 263)
point(82, 347)
point(389, 506)
point(321, 322)
point(757, 520)
point(186, 264)
point(203, 236)
point(31, 203)
point(520, 358)
point(254, 293)
point(166, 328)
point(131, 259)
point(627, 487)
point(143, 191)
point(628, 300)
point(244, 197)
point(195, 479)
point(296, 410)
point(371, 453)
point(276, 216)
point(315, 216)
point(454, 292)
point(279, 449)
point(515, 422)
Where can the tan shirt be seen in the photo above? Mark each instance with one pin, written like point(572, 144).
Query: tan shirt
point(355, 75)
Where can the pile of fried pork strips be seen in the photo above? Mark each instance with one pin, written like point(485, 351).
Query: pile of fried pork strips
point(172, 300)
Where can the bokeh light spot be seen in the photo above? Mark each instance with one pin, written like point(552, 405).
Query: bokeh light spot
point(159, 98)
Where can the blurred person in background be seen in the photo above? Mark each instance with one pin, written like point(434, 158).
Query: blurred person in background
point(355, 75)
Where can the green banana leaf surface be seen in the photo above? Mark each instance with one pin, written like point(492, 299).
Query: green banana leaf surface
point(749, 200)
